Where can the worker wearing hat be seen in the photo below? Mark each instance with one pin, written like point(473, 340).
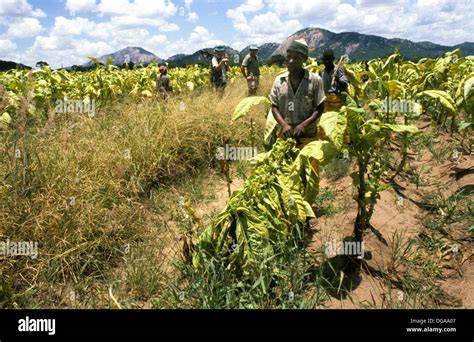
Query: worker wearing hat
point(297, 96)
point(251, 70)
point(219, 68)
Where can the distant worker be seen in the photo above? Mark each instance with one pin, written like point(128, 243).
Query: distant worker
point(297, 97)
point(219, 68)
point(335, 82)
point(251, 70)
point(163, 82)
point(366, 78)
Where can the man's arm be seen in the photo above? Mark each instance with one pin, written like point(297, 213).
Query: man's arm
point(286, 128)
point(221, 63)
point(318, 102)
point(243, 69)
point(244, 66)
point(314, 117)
point(218, 66)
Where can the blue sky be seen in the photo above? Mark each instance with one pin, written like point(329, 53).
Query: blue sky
point(65, 32)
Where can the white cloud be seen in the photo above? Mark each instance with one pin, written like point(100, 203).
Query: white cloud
point(168, 27)
point(187, 4)
point(24, 28)
point(53, 43)
point(375, 3)
point(192, 17)
point(6, 46)
point(84, 47)
point(239, 45)
point(270, 23)
point(200, 35)
point(123, 22)
point(238, 14)
point(80, 6)
point(304, 8)
point(137, 8)
point(19, 8)
point(440, 21)
point(261, 28)
point(72, 27)
point(200, 38)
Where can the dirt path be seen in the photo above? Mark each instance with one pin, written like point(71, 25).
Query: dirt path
point(400, 218)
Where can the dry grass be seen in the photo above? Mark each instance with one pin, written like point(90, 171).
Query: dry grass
point(82, 185)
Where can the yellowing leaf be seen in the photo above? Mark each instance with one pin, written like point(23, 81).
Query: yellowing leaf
point(334, 126)
point(244, 106)
point(444, 98)
point(5, 118)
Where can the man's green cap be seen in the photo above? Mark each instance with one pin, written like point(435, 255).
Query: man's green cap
point(219, 48)
point(299, 46)
point(253, 47)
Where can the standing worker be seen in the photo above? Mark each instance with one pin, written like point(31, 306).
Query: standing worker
point(335, 82)
point(219, 68)
point(251, 69)
point(163, 82)
point(297, 97)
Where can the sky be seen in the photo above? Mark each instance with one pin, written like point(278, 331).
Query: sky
point(65, 32)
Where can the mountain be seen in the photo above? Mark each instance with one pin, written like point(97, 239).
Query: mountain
point(7, 65)
point(265, 52)
point(363, 46)
point(201, 57)
point(132, 55)
point(467, 48)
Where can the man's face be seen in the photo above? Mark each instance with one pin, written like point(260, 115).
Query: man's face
point(294, 61)
point(220, 53)
point(253, 53)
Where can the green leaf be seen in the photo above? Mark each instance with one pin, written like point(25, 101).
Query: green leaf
point(468, 88)
point(464, 124)
point(376, 105)
point(244, 106)
point(322, 151)
point(445, 99)
point(334, 125)
point(395, 88)
point(355, 178)
point(272, 129)
point(402, 128)
point(309, 211)
point(95, 60)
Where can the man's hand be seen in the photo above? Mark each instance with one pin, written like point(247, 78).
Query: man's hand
point(249, 78)
point(287, 131)
point(299, 130)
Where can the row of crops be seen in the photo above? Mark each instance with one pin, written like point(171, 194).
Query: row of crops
point(103, 84)
point(275, 201)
